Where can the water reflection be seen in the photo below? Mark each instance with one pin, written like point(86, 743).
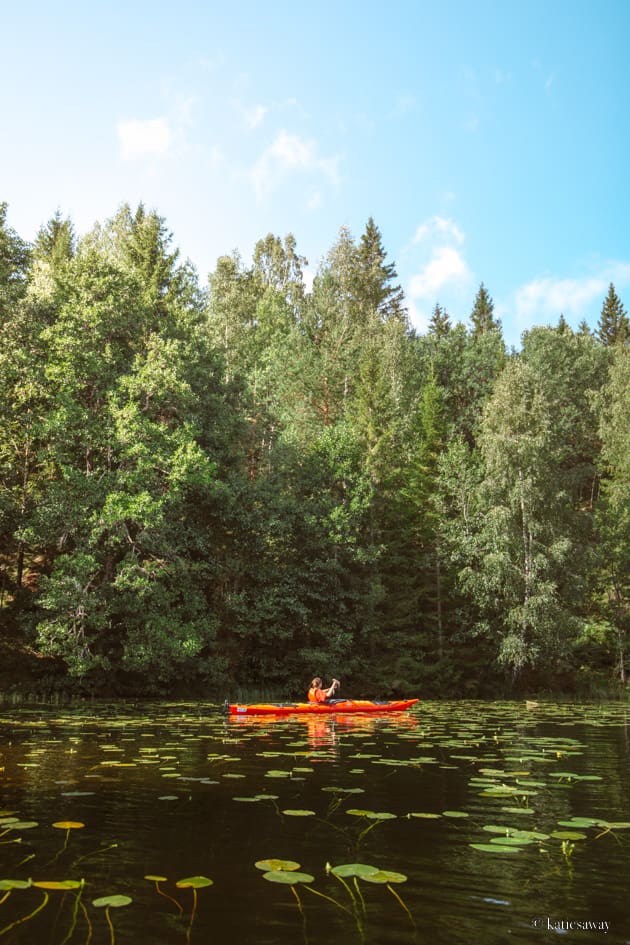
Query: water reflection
point(471, 802)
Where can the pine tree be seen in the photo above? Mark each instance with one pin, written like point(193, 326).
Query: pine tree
point(376, 277)
point(482, 315)
point(613, 326)
point(440, 324)
point(563, 325)
point(55, 242)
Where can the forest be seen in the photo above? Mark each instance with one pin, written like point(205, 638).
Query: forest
point(239, 482)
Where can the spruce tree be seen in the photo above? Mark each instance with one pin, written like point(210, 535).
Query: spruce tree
point(376, 277)
point(440, 323)
point(613, 326)
point(482, 315)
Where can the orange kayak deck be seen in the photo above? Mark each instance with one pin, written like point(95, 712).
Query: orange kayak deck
point(321, 708)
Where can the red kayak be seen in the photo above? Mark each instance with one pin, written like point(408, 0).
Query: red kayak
point(321, 708)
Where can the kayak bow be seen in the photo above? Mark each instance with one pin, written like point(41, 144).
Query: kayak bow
point(320, 708)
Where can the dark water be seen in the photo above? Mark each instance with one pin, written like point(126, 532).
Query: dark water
point(175, 791)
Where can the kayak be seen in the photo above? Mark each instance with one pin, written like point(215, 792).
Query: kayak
point(320, 708)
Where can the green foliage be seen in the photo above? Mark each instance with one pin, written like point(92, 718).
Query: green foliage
point(257, 482)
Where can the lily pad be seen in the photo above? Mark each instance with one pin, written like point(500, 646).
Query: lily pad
point(345, 870)
point(194, 882)
point(288, 877)
point(58, 884)
point(384, 876)
point(299, 813)
point(115, 902)
point(272, 865)
point(495, 848)
point(568, 835)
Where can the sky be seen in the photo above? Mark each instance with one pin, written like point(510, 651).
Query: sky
point(489, 141)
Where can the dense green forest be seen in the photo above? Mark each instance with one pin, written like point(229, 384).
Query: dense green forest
point(245, 481)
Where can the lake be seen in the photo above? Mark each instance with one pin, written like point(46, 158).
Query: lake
point(456, 822)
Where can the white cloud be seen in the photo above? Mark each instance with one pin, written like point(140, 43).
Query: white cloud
point(447, 265)
point(144, 139)
point(441, 272)
point(255, 115)
point(289, 153)
point(576, 298)
point(438, 227)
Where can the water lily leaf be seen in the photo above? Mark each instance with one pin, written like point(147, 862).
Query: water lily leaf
point(380, 815)
point(194, 882)
point(568, 835)
point(495, 848)
point(455, 813)
point(579, 822)
point(58, 884)
point(425, 816)
point(272, 865)
point(531, 834)
point(384, 876)
point(299, 813)
point(68, 825)
point(116, 902)
point(512, 841)
point(14, 884)
point(23, 825)
point(287, 877)
point(156, 879)
point(353, 869)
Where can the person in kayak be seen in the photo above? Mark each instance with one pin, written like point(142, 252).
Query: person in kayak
point(317, 694)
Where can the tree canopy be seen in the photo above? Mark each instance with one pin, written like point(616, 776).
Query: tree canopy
point(247, 482)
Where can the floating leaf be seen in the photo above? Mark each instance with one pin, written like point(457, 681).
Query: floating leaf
point(287, 877)
point(424, 816)
point(455, 813)
point(353, 869)
point(156, 879)
point(58, 884)
point(495, 848)
point(14, 884)
point(299, 813)
point(68, 825)
point(272, 865)
point(512, 841)
point(194, 882)
point(568, 835)
point(115, 902)
point(384, 876)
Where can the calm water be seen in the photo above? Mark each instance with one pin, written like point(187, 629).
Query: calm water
point(179, 791)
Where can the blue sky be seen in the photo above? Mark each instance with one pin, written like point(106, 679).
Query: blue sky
point(489, 140)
